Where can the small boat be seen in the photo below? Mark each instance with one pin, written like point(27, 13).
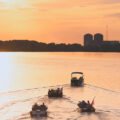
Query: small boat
point(55, 92)
point(39, 111)
point(77, 81)
point(88, 110)
point(85, 108)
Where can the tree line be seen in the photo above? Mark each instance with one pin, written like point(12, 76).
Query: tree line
point(35, 46)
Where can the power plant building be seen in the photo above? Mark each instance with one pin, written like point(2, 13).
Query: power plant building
point(97, 40)
point(88, 39)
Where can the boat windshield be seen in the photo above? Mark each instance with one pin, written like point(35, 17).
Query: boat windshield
point(76, 74)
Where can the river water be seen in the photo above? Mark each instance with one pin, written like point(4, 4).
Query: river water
point(26, 77)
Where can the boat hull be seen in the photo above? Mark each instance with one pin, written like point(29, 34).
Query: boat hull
point(87, 110)
point(55, 95)
point(76, 83)
point(38, 114)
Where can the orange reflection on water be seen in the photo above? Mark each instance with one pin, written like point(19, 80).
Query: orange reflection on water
point(31, 70)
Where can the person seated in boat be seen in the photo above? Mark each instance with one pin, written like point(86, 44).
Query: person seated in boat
point(88, 103)
point(84, 104)
point(43, 107)
point(61, 89)
point(49, 91)
point(80, 78)
point(74, 78)
point(35, 107)
point(58, 89)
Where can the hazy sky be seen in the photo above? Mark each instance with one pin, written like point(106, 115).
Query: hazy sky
point(58, 20)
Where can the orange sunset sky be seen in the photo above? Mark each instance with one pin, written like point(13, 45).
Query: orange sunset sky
point(58, 20)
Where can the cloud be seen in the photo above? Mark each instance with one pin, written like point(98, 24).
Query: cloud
point(63, 4)
point(109, 1)
point(117, 15)
point(26, 8)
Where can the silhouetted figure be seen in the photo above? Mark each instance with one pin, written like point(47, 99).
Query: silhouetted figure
point(55, 93)
point(86, 107)
point(88, 103)
point(39, 110)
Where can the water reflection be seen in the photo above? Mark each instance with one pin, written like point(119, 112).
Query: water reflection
point(6, 70)
point(32, 70)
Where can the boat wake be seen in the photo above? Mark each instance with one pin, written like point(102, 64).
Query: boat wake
point(104, 89)
point(16, 105)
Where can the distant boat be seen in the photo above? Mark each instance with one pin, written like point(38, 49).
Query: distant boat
point(39, 111)
point(84, 107)
point(55, 92)
point(77, 81)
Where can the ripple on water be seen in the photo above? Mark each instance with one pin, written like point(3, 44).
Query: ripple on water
point(19, 103)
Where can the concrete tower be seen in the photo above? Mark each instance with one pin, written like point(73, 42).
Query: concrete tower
point(88, 39)
point(98, 37)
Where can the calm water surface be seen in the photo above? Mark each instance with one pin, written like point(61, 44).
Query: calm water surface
point(26, 77)
point(31, 70)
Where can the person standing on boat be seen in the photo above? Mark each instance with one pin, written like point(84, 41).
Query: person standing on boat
point(88, 103)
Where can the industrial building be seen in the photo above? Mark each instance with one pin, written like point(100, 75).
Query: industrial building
point(96, 40)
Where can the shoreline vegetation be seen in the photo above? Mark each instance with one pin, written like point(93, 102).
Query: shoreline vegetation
point(35, 46)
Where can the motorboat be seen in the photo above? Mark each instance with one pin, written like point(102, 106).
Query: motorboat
point(84, 107)
point(39, 110)
point(55, 92)
point(77, 81)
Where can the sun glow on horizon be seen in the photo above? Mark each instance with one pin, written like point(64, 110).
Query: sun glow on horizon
point(10, 1)
point(58, 21)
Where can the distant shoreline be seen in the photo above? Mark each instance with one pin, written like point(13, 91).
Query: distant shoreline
point(34, 46)
point(63, 51)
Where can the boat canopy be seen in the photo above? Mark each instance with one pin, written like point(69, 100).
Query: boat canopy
point(76, 73)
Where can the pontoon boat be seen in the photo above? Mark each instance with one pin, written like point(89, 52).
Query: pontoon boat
point(77, 81)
